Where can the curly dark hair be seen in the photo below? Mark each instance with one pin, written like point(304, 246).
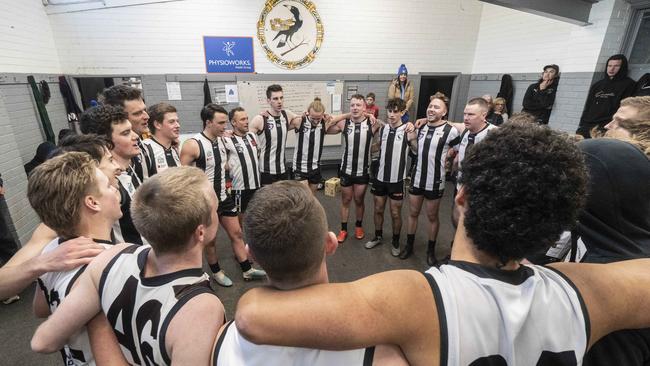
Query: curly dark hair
point(100, 119)
point(525, 185)
point(116, 95)
point(396, 104)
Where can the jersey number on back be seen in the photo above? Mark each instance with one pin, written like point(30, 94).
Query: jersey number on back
point(148, 313)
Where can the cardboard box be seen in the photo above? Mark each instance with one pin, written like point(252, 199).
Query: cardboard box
point(332, 187)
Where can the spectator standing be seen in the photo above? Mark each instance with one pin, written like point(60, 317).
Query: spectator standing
point(605, 96)
point(540, 96)
point(401, 87)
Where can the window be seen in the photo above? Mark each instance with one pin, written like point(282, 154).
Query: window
point(640, 43)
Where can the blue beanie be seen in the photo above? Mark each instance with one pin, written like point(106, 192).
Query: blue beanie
point(402, 70)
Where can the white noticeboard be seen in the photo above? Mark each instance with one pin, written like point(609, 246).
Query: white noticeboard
point(297, 97)
point(173, 90)
point(232, 95)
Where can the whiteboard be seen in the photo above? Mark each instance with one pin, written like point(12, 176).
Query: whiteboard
point(297, 97)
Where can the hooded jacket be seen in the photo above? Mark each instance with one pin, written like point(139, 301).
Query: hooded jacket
point(605, 97)
point(539, 102)
point(615, 224)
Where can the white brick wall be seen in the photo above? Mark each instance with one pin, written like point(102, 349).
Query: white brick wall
point(511, 41)
point(15, 180)
point(26, 38)
point(366, 36)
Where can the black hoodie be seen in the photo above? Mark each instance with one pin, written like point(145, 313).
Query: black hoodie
point(615, 224)
point(605, 96)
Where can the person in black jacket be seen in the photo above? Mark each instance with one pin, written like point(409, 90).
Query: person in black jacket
point(615, 226)
point(540, 96)
point(605, 96)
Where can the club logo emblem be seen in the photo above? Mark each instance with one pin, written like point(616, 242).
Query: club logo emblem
point(290, 32)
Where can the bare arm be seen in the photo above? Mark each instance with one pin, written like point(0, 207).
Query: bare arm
point(192, 332)
point(79, 307)
point(597, 283)
point(28, 263)
point(335, 126)
point(103, 342)
point(460, 127)
point(39, 305)
point(413, 140)
point(256, 124)
point(351, 315)
point(190, 152)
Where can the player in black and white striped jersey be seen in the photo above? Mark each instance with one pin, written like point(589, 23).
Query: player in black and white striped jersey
point(165, 129)
point(157, 298)
point(271, 129)
point(357, 129)
point(473, 129)
point(131, 100)
point(394, 140)
point(310, 135)
point(111, 122)
point(74, 197)
point(434, 140)
point(242, 149)
point(207, 151)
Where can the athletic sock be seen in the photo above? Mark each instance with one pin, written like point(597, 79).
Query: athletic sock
point(358, 223)
point(432, 243)
point(344, 226)
point(379, 233)
point(395, 238)
point(215, 267)
point(245, 265)
point(410, 238)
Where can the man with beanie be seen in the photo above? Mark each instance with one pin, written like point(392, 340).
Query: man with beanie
point(605, 96)
point(402, 88)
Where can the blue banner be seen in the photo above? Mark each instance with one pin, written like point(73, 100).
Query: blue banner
point(229, 54)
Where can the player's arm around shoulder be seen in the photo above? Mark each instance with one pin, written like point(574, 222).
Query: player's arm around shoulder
point(78, 308)
point(192, 331)
point(190, 152)
point(256, 125)
point(395, 307)
point(616, 295)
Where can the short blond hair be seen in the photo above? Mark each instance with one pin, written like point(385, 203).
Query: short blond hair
point(640, 103)
point(57, 188)
point(168, 207)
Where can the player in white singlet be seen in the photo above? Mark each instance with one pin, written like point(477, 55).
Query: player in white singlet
point(156, 298)
point(294, 260)
point(55, 188)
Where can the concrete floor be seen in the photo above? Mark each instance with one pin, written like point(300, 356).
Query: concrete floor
point(350, 262)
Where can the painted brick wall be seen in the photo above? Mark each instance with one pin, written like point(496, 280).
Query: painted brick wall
point(20, 134)
point(26, 38)
point(15, 181)
point(368, 37)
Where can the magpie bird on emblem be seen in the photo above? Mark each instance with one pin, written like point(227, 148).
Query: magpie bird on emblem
point(286, 27)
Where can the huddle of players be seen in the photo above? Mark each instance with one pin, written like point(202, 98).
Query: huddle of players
point(122, 119)
point(483, 308)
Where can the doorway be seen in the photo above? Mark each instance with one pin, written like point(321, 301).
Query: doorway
point(90, 88)
point(431, 84)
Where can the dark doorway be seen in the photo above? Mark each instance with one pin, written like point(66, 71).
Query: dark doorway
point(91, 87)
point(429, 85)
